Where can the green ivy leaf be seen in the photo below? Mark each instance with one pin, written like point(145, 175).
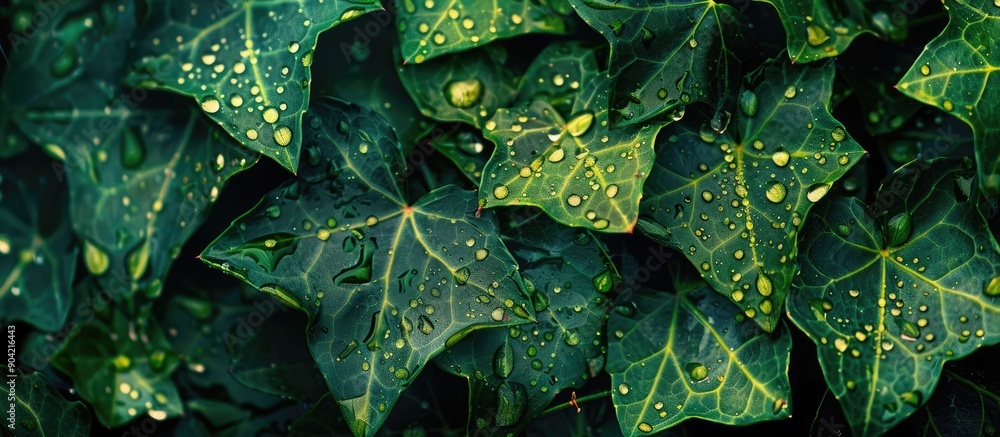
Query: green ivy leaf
point(121, 369)
point(886, 318)
point(665, 55)
point(467, 150)
point(953, 73)
point(428, 29)
point(734, 201)
point(246, 62)
point(37, 251)
point(675, 357)
point(400, 280)
point(816, 30)
point(466, 87)
point(514, 373)
point(581, 172)
point(557, 74)
point(42, 411)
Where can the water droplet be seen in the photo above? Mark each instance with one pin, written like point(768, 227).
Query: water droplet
point(816, 35)
point(697, 371)
point(462, 276)
point(899, 228)
point(790, 91)
point(464, 93)
point(748, 103)
point(992, 286)
point(95, 258)
point(557, 155)
point(817, 192)
point(580, 124)
point(500, 192)
point(764, 285)
point(270, 115)
point(210, 105)
point(645, 427)
point(776, 191)
point(623, 388)
point(780, 157)
point(64, 63)
point(481, 254)
point(402, 373)
point(503, 360)
point(283, 135)
point(424, 325)
point(498, 314)
point(838, 133)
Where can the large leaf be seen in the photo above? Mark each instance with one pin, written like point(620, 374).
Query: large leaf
point(579, 170)
point(428, 29)
point(122, 369)
point(141, 178)
point(821, 29)
point(466, 87)
point(665, 55)
point(387, 284)
point(41, 411)
point(514, 373)
point(734, 202)
point(246, 62)
point(953, 73)
point(37, 251)
point(694, 354)
point(889, 297)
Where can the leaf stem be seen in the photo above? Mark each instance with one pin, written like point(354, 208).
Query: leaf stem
point(580, 400)
point(927, 18)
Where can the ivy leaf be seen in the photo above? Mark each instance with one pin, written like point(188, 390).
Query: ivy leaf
point(466, 87)
point(733, 202)
point(889, 295)
point(37, 251)
point(467, 150)
point(42, 411)
point(321, 420)
point(121, 370)
point(665, 55)
point(557, 74)
point(428, 29)
point(396, 282)
point(953, 73)
point(581, 172)
point(675, 357)
point(514, 373)
point(246, 62)
point(824, 29)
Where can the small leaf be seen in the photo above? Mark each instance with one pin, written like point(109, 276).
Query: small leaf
point(672, 358)
point(120, 371)
point(666, 55)
point(734, 202)
point(885, 320)
point(953, 75)
point(387, 284)
point(818, 30)
point(246, 63)
point(428, 29)
point(557, 74)
point(466, 87)
point(580, 177)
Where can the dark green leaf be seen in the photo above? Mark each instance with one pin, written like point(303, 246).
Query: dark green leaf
point(322, 420)
point(557, 74)
point(387, 284)
point(734, 202)
point(37, 251)
point(429, 28)
point(514, 373)
point(467, 150)
point(41, 411)
point(953, 73)
point(122, 370)
point(246, 62)
point(885, 318)
point(466, 87)
point(581, 172)
point(665, 55)
point(960, 406)
point(675, 357)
